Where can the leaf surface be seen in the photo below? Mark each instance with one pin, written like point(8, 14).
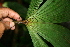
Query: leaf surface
point(57, 35)
point(53, 11)
point(33, 7)
point(37, 41)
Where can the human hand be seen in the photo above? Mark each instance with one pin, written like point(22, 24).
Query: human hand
point(6, 16)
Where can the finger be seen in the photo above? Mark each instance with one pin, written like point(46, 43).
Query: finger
point(0, 16)
point(3, 12)
point(14, 15)
point(1, 35)
point(10, 13)
point(7, 19)
point(13, 28)
point(11, 24)
point(2, 28)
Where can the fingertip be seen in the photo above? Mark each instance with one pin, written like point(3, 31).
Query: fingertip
point(19, 19)
point(16, 15)
point(13, 28)
point(12, 24)
point(7, 19)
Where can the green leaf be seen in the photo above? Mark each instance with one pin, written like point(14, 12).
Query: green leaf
point(54, 11)
point(37, 41)
point(16, 7)
point(33, 7)
point(57, 35)
point(41, 22)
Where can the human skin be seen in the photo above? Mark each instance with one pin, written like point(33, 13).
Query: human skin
point(6, 22)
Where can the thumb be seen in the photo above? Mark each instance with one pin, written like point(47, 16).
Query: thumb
point(2, 28)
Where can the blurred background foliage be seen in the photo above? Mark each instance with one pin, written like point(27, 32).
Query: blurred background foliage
point(20, 36)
